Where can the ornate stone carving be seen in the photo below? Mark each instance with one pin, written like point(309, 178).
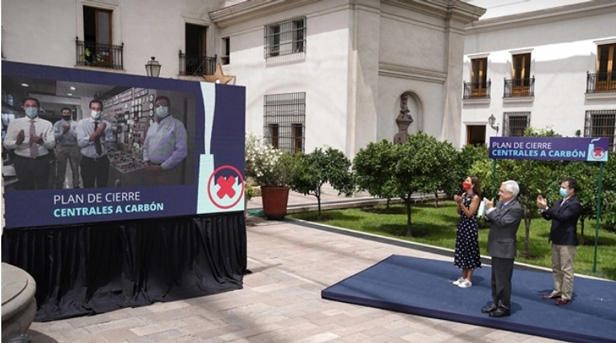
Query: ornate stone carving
point(403, 120)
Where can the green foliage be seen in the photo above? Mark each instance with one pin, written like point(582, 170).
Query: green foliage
point(608, 202)
point(90, 58)
point(482, 168)
point(447, 173)
point(422, 164)
point(249, 191)
point(320, 167)
point(608, 196)
point(373, 169)
point(533, 176)
point(437, 227)
point(532, 132)
point(269, 167)
point(544, 177)
point(420, 167)
point(467, 157)
point(586, 174)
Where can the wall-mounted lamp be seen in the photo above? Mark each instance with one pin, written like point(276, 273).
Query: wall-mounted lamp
point(492, 121)
point(152, 68)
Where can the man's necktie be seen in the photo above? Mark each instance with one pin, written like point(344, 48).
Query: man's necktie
point(33, 146)
point(97, 141)
point(501, 205)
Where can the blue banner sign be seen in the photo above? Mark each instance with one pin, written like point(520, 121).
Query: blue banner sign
point(550, 148)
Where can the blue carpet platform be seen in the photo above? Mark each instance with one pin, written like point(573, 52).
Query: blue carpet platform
point(424, 287)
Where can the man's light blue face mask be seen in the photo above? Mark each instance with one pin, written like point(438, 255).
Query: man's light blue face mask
point(31, 112)
point(162, 111)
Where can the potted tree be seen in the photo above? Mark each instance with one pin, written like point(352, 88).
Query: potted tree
point(273, 171)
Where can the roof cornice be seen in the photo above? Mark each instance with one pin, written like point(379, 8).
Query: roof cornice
point(252, 9)
point(543, 16)
point(444, 9)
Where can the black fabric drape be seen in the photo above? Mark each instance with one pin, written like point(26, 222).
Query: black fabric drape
point(95, 268)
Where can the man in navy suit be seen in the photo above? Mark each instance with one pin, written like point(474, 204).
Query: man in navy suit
point(564, 215)
point(505, 220)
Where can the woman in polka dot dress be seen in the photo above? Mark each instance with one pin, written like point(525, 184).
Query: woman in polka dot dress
point(467, 245)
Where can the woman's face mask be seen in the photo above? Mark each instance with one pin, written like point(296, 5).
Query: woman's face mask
point(466, 185)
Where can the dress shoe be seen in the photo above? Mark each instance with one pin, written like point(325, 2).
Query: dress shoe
point(550, 296)
point(489, 309)
point(500, 313)
point(563, 302)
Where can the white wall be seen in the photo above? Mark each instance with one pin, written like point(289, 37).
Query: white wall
point(563, 49)
point(499, 8)
point(360, 57)
point(23, 39)
point(46, 34)
point(416, 57)
point(322, 73)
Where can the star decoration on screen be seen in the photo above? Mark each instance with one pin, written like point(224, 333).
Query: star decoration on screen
point(218, 76)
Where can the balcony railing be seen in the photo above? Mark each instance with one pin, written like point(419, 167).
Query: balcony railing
point(99, 55)
point(477, 90)
point(519, 87)
point(197, 65)
point(601, 82)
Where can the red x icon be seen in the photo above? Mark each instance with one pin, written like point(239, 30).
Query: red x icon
point(227, 191)
point(599, 152)
point(226, 186)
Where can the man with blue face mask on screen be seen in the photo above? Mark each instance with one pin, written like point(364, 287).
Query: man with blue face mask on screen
point(164, 147)
point(67, 150)
point(564, 215)
point(94, 136)
point(31, 138)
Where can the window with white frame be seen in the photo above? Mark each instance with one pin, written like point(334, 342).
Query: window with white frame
point(285, 38)
point(601, 124)
point(284, 121)
point(515, 123)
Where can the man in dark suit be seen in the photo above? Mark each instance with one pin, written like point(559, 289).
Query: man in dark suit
point(505, 221)
point(564, 215)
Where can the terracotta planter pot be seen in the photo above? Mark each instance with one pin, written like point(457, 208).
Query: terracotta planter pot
point(275, 201)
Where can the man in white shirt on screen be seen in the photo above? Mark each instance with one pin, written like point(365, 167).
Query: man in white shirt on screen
point(67, 150)
point(31, 138)
point(94, 136)
point(165, 146)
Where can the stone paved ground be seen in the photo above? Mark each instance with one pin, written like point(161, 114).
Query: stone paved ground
point(280, 301)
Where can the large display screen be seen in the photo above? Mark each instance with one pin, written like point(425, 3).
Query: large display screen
point(167, 147)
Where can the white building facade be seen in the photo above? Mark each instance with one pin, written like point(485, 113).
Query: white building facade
point(317, 72)
point(550, 68)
